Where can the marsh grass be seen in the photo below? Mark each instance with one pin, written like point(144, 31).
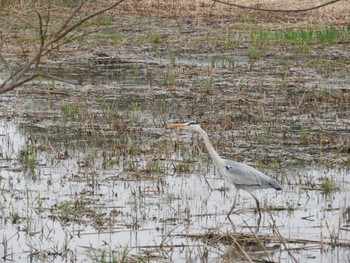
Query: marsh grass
point(116, 37)
point(70, 209)
point(246, 19)
point(253, 52)
point(69, 109)
point(302, 40)
point(304, 133)
point(332, 35)
point(107, 257)
point(324, 68)
point(244, 242)
point(327, 185)
point(172, 60)
point(113, 255)
point(15, 217)
point(153, 166)
point(105, 20)
point(155, 38)
point(208, 85)
point(186, 155)
point(227, 42)
point(183, 167)
point(40, 80)
point(28, 158)
point(305, 36)
point(222, 62)
point(169, 78)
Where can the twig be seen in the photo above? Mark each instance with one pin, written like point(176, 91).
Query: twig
point(281, 239)
point(276, 10)
point(58, 79)
point(259, 241)
point(244, 252)
point(277, 239)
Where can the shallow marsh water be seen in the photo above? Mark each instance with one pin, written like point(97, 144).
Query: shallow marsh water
point(75, 208)
point(91, 173)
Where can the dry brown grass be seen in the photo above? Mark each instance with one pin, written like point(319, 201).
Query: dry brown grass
point(204, 9)
point(334, 14)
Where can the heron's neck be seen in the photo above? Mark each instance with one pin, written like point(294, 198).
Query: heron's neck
point(213, 154)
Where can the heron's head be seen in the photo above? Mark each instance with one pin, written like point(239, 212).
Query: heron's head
point(191, 125)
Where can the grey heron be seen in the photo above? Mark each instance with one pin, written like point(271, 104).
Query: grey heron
point(241, 175)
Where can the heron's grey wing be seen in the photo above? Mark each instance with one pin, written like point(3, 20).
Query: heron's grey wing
point(247, 178)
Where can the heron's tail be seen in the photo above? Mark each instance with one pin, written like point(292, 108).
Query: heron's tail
point(274, 184)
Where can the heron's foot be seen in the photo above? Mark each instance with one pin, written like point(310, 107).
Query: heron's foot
point(229, 219)
point(258, 210)
point(232, 213)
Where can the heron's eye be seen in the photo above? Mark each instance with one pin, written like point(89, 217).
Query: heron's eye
point(192, 123)
point(228, 167)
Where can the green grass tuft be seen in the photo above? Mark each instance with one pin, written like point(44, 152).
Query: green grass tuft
point(69, 109)
point(327, 185)
point(28, 157)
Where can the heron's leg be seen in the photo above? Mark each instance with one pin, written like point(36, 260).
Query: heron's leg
point(258, 223)
point(234, 203)
point(257, 203)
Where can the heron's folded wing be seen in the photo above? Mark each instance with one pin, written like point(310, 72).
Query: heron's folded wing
point(246, 177)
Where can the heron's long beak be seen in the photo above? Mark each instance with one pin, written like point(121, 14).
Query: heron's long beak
point(177, 125)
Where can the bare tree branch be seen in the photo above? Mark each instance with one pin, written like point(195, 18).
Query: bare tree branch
point(71, 28)
point(276, 10)
point(17, 78)
point(41, 32)
point(47, 76)
point(72, 38)
point(69, 19)
point(7, 66)
point(42, 38)
point(7, 88)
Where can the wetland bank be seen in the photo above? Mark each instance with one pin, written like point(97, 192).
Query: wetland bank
point(90, 172)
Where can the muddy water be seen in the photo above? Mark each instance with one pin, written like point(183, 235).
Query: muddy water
point(108, 180)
